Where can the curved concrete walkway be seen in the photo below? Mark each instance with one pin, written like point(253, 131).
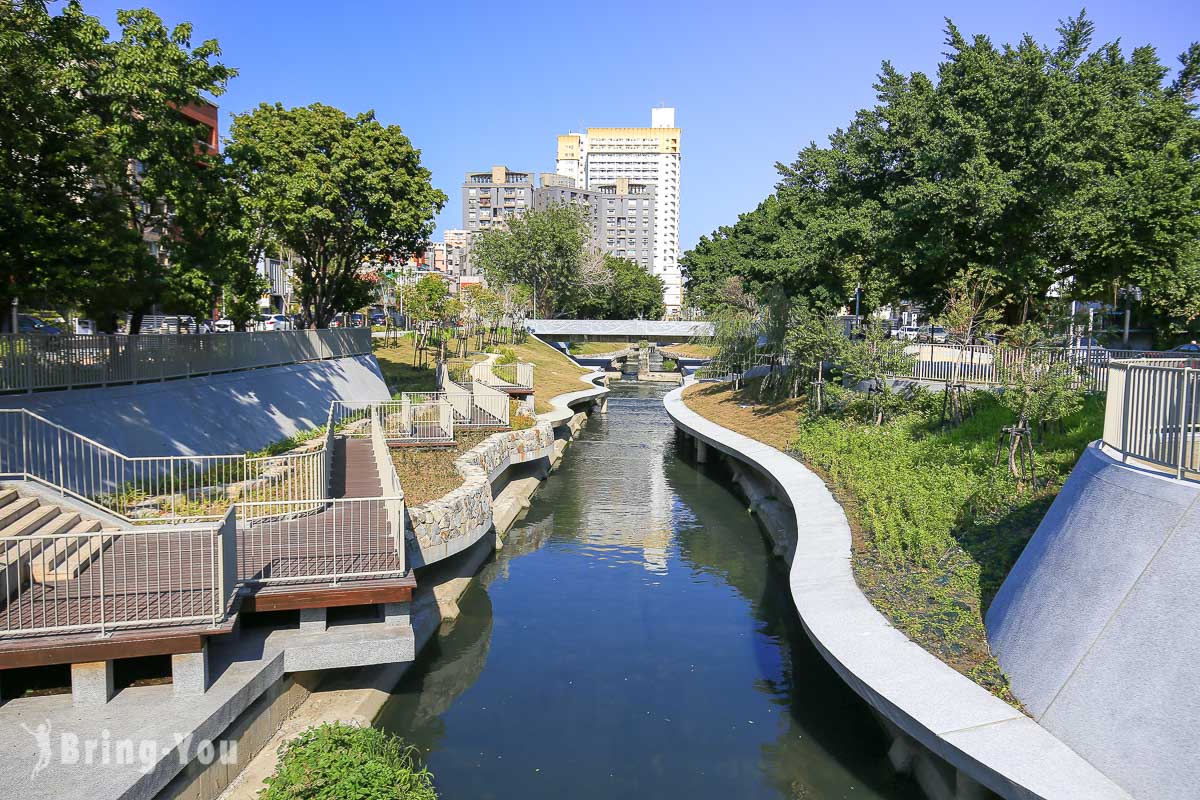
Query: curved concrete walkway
point(562, 411)
point(987, 741)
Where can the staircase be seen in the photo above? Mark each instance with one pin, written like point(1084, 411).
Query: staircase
point(44, 560)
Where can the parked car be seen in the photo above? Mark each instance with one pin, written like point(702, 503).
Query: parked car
point(1189, 349)
point(273, 322)
point(378, 318)
point(1083, 349)
point(27, 323)
point(907, 332)
point(224, 326)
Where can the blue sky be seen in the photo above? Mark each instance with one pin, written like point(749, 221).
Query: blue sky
point(481, 83)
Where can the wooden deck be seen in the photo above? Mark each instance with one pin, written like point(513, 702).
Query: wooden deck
point(168, 581)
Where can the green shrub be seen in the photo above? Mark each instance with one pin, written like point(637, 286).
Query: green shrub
point(921, 490)
point(337, 761)
point(507, 356)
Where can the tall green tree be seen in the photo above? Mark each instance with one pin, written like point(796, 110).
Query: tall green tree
point(621, 290)
point(541, 249)
point(96, 158)
point(1074, 167)
point(337, 191)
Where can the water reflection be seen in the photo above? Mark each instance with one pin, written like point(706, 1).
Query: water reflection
point(635, 637)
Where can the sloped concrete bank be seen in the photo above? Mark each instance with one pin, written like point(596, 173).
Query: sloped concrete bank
point(229, 413)
point(958, 740)
point(1096, 623)
point(509, 464)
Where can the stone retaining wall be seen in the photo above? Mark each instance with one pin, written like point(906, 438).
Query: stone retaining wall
point(445, 526)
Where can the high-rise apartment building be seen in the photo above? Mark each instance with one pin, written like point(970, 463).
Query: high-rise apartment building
point(643, 157)
point(489, 198)
point(620, 212)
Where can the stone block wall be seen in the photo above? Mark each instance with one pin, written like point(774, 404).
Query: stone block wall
point(442, 527)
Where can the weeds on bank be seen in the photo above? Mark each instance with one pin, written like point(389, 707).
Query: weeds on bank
point(937, 523)
point(336, 761)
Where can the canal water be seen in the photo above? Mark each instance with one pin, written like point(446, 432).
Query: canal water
point(635, 638)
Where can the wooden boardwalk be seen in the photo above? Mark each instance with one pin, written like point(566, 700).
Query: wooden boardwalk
point(172, 578)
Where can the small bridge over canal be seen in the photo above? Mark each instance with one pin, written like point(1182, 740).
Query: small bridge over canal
point(618, 330)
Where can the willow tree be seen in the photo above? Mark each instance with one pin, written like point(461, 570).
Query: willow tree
point(338, 191)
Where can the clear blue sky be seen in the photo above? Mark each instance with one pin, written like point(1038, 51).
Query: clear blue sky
point(481, 83)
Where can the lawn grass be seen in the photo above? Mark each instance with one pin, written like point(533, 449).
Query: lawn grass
point(553, 373)
point(598, 348)
point(936, 525)
point(690, 350)
point(396, 361)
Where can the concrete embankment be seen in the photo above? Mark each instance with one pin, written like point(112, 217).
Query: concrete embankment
point(958, 740)
point(1096, 624)
point(358, 695)
point(217, 414)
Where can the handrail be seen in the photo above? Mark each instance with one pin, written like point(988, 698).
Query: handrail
point(33, 362)
point(97, 581)
point(1152, 414)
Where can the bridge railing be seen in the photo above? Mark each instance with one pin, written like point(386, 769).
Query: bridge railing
point(36, 362)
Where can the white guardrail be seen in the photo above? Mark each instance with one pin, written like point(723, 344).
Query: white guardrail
point(33, 362)
point(480, 406)
point(109, 579)
point(1152, 414)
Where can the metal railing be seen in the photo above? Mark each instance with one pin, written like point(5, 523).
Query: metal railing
point(1152, 413)
point(492, 402)
point(32, 362)
point(325, 541)
point(148, 488)
point(410, 422)
point(518, 375)
point(499, 376)
point(475, 407)
point(110, 579)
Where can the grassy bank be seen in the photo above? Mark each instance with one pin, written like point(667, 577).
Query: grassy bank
point(936, 525)
point(553, 373)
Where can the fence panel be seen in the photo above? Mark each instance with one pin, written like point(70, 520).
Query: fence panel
point(328, 541)
point(32, 362)
point(1152, 413)
point(492, 402)
point(104, 580)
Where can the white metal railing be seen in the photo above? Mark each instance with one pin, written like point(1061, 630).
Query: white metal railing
point(32, 362)
point(326, 541)
point(492, 402)
point(148, 488)
point(474, 407)
point(985, 365)
point(406, 421)
point(1152, 413)
point(519, 374)
point(110, 579)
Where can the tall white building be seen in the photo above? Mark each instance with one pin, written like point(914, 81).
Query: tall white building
point(640, 155)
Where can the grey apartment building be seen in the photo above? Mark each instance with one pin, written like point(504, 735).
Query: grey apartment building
point(488, 198)
point(621, 213)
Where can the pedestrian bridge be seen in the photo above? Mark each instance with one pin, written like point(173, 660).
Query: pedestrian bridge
point(618, 330)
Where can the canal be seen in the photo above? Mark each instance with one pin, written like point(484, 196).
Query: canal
point(635, 638)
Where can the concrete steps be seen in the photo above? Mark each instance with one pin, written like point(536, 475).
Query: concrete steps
point(29, 555)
